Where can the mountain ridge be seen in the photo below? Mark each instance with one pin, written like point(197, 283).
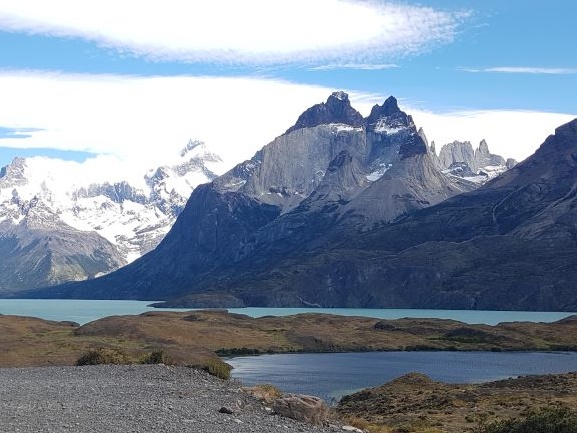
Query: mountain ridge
point(308, 189)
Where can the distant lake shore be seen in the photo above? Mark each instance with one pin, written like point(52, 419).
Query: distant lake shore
point(84, 311)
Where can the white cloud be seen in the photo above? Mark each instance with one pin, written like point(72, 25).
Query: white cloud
point(142, 122)
point(511, 134)
point(524, 70)
point(146, 120)
point(358, 66)
point(230, 31)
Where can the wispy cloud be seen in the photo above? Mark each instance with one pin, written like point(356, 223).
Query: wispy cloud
point(235, 32)
point(357, 66)
point(524, 70)
point(16, 132)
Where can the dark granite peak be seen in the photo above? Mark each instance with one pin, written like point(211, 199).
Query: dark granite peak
point(388, 115)
point(337, 109)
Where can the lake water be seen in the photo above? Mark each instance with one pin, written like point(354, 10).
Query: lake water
point(83, 311)
point(332, 375)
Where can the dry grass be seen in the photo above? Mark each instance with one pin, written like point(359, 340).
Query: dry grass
point(414, 403)
point(192, 337)
point(265, 392)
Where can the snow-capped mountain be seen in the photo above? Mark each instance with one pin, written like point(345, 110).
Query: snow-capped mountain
point(132, 213)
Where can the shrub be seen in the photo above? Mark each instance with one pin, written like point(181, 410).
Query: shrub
point(103, 356)
point(216, 367)
point(550, 420)
point(156, 357)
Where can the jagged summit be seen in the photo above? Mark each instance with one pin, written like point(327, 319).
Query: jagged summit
point(387, 117)
point(192, 144)
point(340, 95)
point(337, 109)
point(477, 165)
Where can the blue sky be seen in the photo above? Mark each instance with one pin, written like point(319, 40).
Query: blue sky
point(138, 79)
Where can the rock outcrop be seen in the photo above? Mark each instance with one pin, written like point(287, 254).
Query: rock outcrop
point(306, 408)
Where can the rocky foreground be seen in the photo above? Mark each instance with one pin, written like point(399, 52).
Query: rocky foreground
point(144, 398)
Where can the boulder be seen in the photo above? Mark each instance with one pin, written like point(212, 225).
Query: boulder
point(310, 409)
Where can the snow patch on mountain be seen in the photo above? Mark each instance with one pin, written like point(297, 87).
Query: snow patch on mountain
point(378, 173)
point(341, 127)
point(383, 127)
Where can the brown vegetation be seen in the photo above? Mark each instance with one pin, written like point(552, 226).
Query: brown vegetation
point(414, 402)
point(190, 338)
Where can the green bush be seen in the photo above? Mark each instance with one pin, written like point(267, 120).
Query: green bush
point(103, 356)
point(552, 420)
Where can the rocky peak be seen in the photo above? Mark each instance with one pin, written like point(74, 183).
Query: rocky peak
point(459, 159)
point(510, 163)
point(192, 144)
point(457, 152)
point(483, 148)
point(387, 117)
point(340, 95)
point(337, 109)
point(14, 173)
point(389, 108)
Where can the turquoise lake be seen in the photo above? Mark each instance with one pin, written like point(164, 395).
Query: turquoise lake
point(83, 311)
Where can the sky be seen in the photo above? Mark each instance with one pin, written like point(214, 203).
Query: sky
point(135, 80)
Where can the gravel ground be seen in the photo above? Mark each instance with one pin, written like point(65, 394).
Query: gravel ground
point(147, 398)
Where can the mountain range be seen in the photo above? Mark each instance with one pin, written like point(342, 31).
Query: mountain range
point(346, 211)
point(62, 221)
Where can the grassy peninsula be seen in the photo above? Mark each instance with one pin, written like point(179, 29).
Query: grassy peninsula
point(188, 338)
